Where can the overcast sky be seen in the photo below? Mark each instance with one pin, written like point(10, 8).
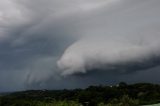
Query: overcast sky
point(57, 44)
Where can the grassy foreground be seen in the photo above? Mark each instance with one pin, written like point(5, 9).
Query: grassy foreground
point(153, 105)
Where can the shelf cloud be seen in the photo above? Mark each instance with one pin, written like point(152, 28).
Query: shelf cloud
point(123, 38)
point(62, 43)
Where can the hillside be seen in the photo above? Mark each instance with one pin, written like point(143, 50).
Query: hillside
point(119, 95)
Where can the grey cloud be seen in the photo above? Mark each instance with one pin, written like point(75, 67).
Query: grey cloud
point(34, 35)
point(127, 38)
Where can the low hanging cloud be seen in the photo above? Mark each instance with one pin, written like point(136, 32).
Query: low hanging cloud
point(110, 35)
point(34, 33)
point(127, 40)
point(111, 54)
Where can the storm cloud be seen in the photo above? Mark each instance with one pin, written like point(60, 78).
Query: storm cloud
point(43, 41)
point(127, 36)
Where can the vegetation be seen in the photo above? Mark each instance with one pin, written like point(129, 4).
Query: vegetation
point(119, 95)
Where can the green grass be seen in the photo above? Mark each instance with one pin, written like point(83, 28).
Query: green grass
point(153, 105)
point(39, 103)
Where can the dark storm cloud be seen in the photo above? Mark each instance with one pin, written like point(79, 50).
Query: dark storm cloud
point(29, 48)
point(34, 35)
point(124, 38)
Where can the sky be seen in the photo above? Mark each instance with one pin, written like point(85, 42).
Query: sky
point(66, 44)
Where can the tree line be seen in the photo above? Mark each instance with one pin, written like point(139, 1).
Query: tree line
point(119, 95)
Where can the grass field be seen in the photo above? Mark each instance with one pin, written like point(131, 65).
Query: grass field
point(153, 105)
